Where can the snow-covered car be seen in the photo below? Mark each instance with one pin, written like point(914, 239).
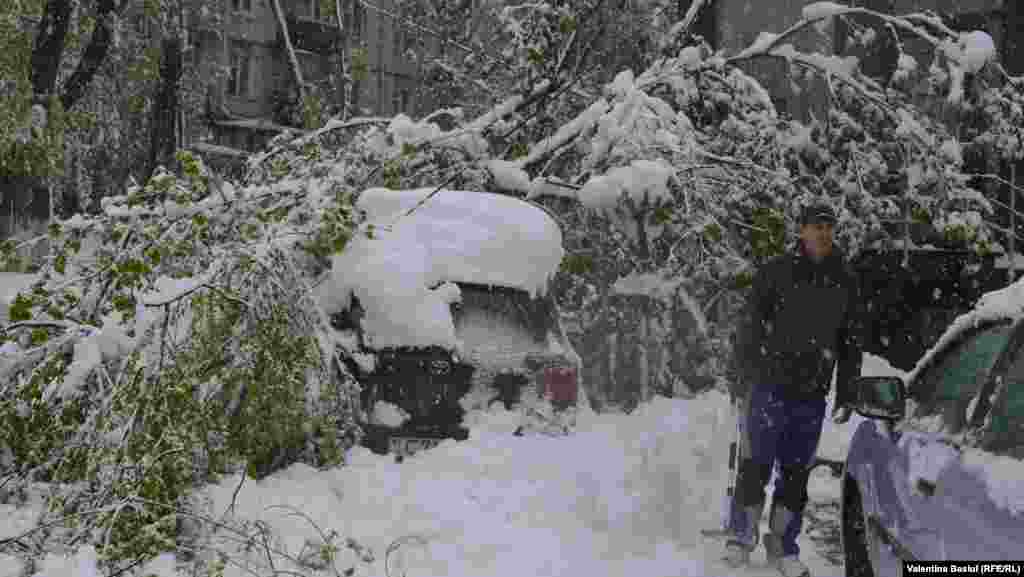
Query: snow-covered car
point(445, 307)
point(936, 471)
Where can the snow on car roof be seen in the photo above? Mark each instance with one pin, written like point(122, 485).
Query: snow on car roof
point(1006, 303)
point(403, 275)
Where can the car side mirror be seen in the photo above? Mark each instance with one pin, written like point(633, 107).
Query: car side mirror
point(881, 398)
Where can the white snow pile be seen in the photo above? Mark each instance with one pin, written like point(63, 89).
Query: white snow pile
point(584, 123)
point(626, 494)
point(976, 49)
point(509, 175)
point(642, 179)
point(1003, 478)
point(623, 495)
point(166, 289)
point(389, 415)
point(403, 276)
point(967, 56)
point(905, 66)
point(637, 124)
point(820, 10)
point(763, 42)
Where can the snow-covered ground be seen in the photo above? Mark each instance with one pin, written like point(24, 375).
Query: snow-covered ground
point(624, 495)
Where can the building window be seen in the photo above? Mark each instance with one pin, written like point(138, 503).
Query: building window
point(396, 46)
point(396, 103)
point(241, 5)
point(408, 38)
point(309, 64)
point(309, 10)
point(405, 99)
point(142, 24)
point(358, 18)
point(241, 63)
point(196, 48)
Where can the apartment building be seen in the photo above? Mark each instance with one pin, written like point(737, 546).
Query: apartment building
point(248, 76)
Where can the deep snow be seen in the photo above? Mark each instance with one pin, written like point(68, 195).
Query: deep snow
point(623, 495)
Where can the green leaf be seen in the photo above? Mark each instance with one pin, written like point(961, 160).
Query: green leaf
point(662, 215)
point(133, 266)
point(153, 254)
point(312, 109)
point(743, 280)
point(392, 175)
point(360, 64)
point(39, 336)
point(577, 264)
point(713, 232)
point(311, 151)
point(137, 103)
point(408, 150)
point(123, 303)
point(20, 309)
point(534, 56)
point(520, 150)
point(151, 8)
point(279, 167)
point(567, 24)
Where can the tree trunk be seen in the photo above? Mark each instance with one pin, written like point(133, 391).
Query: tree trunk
point(292, 58)
point(419, 73)
point(162, 130)
point(611, 387)
point(346, 80)
point(49, 46)
point(93, 56)
point(643, 356)
point(1013, 221)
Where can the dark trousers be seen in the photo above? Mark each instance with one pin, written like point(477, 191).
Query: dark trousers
point(778, 430)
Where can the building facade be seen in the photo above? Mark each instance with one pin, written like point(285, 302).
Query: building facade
point(251, 90)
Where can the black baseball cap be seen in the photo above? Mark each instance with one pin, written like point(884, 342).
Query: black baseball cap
point(818, 213)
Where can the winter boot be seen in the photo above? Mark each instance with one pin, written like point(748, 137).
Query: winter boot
point(773, 548)
point(791, 566)
point(736, 554)
point(782, 520)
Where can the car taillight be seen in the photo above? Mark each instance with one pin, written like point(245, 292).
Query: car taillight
point(560, 385)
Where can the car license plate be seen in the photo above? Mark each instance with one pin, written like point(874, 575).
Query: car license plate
point(406, 446)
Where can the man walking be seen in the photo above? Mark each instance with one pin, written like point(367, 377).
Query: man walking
point(799, 326)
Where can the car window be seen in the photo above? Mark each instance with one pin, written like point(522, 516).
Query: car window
point(945, 391)
point(1004, 428)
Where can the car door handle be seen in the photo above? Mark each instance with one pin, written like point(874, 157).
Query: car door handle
point(926, 487)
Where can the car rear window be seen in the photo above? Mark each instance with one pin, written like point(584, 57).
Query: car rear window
point(1004, 428)
point(945, 391)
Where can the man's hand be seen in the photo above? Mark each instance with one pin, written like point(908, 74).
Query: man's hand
point(841, 415)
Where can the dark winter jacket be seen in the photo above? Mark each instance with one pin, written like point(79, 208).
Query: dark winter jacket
point(801, 321)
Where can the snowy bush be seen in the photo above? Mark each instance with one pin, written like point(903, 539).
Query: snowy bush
point(186, 345)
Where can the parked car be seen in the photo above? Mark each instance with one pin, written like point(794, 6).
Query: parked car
point(929, 472)
point(511, 348)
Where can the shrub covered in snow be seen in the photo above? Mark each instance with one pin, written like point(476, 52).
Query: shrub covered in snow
point(187, 345)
